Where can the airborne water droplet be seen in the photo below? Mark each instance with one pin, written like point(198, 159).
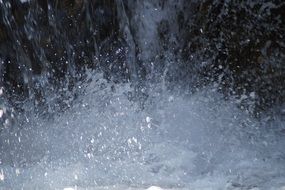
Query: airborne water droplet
point(2, 176)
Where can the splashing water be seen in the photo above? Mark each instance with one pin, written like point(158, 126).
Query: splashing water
point(177, 142)
point(111, 136)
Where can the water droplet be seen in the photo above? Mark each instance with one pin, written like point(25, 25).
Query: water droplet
point(2, 176)
point(148, 119)
point(1, 113)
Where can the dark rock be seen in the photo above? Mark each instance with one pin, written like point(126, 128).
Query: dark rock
point(242, 44)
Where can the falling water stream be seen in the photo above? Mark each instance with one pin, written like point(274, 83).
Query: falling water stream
point(137, 133)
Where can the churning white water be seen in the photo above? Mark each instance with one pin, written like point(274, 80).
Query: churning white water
point(108, 141)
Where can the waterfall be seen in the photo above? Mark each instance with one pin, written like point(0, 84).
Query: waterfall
point(131, 94)
point(128, 36)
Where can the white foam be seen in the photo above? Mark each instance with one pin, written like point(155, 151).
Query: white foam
point(196, 142)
